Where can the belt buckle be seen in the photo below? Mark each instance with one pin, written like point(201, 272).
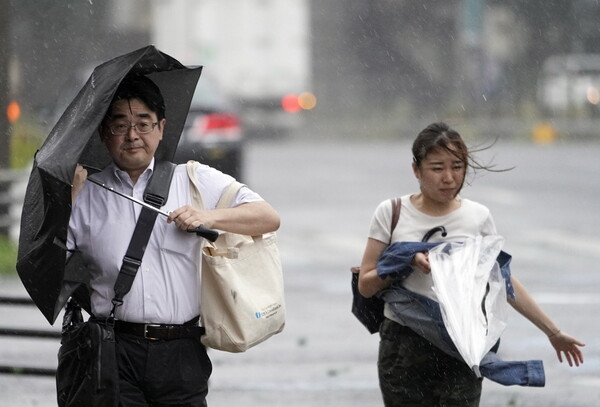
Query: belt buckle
point(146, 326)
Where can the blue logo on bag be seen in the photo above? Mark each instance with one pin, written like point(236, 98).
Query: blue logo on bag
point(258, 314)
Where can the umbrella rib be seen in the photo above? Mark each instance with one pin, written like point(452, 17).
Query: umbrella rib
point(144, 204)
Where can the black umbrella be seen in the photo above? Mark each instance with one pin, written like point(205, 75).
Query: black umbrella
point(75, 139)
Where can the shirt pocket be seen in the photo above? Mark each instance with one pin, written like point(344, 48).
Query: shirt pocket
point(178, 242)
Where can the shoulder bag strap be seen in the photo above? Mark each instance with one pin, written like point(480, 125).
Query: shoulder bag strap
point(157, 190)
point(396, 205)
point(156, 194)
point(229, 194)
point(194, 187)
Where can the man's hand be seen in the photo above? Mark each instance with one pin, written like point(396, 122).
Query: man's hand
point(78, 181)
point(250, 219)
point(187, 218)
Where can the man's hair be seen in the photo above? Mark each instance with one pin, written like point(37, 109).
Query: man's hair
point(135, 86)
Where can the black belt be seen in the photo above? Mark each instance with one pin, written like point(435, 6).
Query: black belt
point(161, 331)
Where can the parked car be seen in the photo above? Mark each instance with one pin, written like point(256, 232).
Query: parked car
point(212, 134)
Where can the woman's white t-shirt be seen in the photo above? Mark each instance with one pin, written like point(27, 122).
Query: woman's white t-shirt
point(469, 220)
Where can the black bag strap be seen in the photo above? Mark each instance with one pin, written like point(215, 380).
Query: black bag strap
point(157, 190)
point(156, 194)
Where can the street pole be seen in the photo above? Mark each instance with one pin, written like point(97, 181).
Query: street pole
point(472, 33)
point(4, 85)
point(4, 99)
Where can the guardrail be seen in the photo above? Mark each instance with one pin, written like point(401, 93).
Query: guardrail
point(31, 333)
point(12, 193)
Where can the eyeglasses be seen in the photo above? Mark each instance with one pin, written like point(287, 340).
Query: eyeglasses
point(121, 129)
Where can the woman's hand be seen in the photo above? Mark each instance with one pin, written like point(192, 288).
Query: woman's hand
point(567, 345)
point(561, 342)
point(421, 262)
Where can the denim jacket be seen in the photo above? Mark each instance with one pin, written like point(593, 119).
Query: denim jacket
point(423, 315)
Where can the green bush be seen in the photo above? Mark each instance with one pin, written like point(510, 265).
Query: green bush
point(8, 256)
point(26, 139)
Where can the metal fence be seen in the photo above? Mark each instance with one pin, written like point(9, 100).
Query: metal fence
point(12, 192)
point(30, 333)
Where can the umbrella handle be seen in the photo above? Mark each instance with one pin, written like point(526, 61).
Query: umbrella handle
point(209, 234)
point(431, 232)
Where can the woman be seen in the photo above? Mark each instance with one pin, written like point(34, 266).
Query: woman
point(413, 372)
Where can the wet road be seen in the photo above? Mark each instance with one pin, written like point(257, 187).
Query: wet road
point(546, 208)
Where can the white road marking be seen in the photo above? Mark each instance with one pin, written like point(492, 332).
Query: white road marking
point(565, 241)
point(566, 298)
point(495, 194)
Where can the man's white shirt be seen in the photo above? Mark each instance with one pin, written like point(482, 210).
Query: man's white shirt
point(166, 288)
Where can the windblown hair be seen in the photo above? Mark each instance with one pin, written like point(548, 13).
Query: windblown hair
point(439, 137)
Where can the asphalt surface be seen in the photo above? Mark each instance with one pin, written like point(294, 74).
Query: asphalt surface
point(326, 192)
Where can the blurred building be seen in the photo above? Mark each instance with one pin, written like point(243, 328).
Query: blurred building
point(375, 67)
point(56, 44)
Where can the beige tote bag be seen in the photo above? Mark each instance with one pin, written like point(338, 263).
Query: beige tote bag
point(241, 294)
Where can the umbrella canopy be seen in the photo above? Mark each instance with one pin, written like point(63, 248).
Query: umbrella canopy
point(75, 139)
point(471, 292)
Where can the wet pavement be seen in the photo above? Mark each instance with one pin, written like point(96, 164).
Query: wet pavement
point(324, 357)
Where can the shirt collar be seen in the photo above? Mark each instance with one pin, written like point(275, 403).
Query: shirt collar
point(123, 176)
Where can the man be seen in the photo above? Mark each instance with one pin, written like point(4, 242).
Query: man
point(171, 372)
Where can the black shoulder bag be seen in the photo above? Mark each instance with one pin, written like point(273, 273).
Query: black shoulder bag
point(87, 373)
point(369, 311)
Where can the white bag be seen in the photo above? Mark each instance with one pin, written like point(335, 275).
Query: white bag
point(241, 295)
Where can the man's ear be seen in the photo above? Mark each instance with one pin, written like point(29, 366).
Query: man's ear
point(161, 126)
point(100, 131)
